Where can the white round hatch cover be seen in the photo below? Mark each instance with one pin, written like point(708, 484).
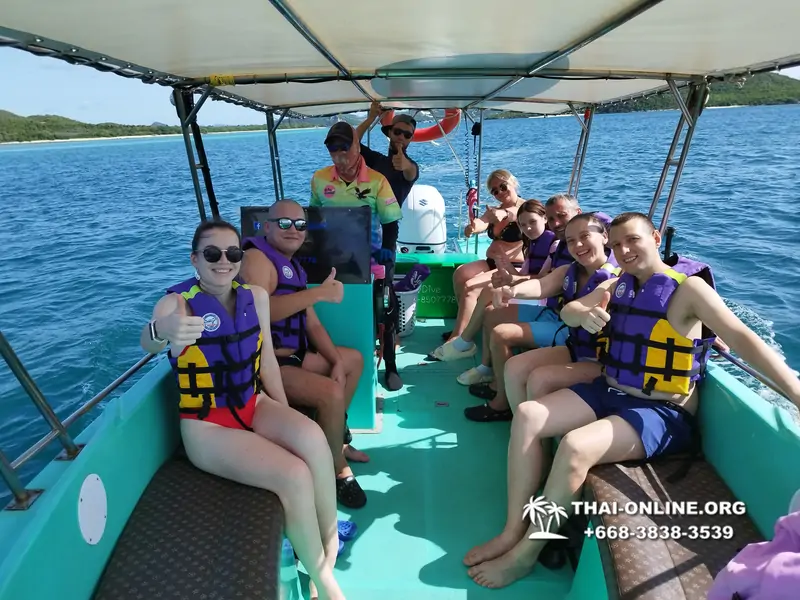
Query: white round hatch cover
point(92, 509)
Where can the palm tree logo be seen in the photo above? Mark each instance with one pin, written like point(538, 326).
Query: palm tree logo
point(538, 509)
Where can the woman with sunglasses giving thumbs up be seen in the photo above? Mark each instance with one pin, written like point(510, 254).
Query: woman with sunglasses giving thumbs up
point(234, 417)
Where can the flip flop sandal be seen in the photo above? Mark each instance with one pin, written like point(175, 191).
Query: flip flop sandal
point(347, 530)
point(486, 414)
point(482, 391)
point(349, 493)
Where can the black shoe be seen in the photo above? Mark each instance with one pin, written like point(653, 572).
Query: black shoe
point(486, 414)
point(482, 391)
point(349, 493)
point(392, 381)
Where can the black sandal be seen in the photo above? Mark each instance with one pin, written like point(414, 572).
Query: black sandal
point(349, 493)
point(482, 391)
point(486, 414)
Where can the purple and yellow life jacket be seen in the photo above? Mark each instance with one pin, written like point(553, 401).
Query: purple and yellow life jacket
point(585, 345)
point(643, 350)
point(291, 331)
point(221, 369)
point(556, 303)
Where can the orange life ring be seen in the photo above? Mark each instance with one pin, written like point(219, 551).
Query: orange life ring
point(452, 116)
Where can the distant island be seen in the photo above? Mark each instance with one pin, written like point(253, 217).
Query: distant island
point(763, 89)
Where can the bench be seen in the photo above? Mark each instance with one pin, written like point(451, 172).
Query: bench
point(664, 569)
point(192, 532)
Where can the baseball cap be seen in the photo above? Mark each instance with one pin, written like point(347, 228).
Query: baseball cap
point(340, 132)
point(407, 119)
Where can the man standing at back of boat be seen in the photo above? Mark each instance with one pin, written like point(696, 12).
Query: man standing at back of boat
point(350, 182)
point(401, 172)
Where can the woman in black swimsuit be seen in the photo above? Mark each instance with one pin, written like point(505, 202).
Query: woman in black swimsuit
point(499, 223)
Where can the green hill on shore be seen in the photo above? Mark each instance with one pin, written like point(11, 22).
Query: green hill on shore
point(767, 88)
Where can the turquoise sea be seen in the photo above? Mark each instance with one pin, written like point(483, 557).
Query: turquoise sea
point(93, 232)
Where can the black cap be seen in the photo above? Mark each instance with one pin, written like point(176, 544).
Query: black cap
point(341, 132)
point(407, 119)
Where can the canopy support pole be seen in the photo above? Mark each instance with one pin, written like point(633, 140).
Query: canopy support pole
point(478, 184)
point(274, 153)
point(294, 19)
point(580, 152)
point(187, 114)
point(588, 38)
point(690, 112)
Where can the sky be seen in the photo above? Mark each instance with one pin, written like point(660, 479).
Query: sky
point(51, 86)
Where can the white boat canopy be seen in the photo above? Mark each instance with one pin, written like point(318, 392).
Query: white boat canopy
point(322, 57)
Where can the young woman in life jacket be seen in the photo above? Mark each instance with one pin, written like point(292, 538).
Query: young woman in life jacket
point(538, 242)
point(585, 235)
point(234, 417)
point(538, 372)
point(637, 410)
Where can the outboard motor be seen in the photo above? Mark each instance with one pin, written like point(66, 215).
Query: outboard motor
point(423, 228)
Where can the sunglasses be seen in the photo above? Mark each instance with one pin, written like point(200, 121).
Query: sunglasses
point(403, 132)
point(340, 147)
point(286, 223)
point(213, 254)
point(502, 188)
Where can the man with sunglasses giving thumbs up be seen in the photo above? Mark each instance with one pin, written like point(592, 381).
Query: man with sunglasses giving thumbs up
point(316, 374)
point(401, 172)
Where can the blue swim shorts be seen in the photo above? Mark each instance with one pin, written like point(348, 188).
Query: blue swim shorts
point(547, 329)
point(663, 430)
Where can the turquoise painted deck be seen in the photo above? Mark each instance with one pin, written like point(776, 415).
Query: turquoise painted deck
point(436, 483)
point(436, 486)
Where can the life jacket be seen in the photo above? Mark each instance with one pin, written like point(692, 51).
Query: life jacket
point(584, 344)
point(221, 369)
point(291, 331)
point(603, 217)
point(538, 251)
point(643, 350)
point(558, 258)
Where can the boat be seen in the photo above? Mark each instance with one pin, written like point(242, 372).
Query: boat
point(120, 513)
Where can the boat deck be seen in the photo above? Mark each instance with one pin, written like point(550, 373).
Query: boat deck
point(436, 486)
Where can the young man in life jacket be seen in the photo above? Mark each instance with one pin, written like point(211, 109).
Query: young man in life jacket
point(643, 405)
point(525, 325)
point(350, 182)
point(316, 374)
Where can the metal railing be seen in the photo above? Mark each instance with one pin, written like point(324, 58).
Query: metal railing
point(752, 372)
point(23, 497)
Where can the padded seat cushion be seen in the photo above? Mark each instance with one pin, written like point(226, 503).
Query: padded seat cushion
point(194, 535)
point(664, 569)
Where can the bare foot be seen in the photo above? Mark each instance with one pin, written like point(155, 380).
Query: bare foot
point(491, 549)
point(354, 455)
point(505, 569)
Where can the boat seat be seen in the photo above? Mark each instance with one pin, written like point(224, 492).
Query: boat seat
point(644, 569)
point(195, 535)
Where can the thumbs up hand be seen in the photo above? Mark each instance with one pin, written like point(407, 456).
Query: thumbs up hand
point(501, 296)
point(180, 329)
point(331, 290)
point(399, 160)
point(597, 317)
